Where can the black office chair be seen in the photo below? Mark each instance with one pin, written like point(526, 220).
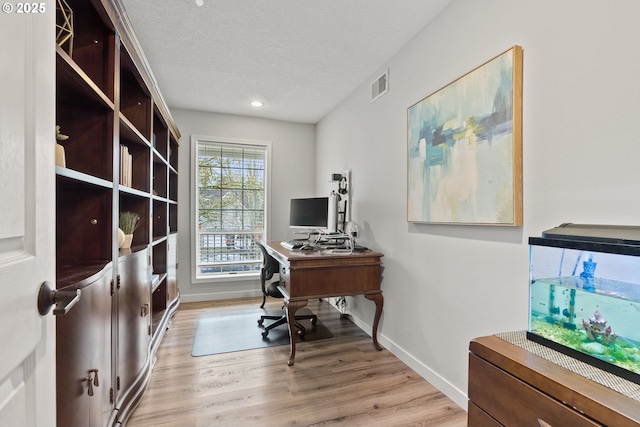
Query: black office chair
point(269, 267)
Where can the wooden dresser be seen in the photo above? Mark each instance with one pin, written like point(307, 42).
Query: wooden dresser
point(511, 386)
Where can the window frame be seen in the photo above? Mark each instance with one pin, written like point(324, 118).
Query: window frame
point(193, 204)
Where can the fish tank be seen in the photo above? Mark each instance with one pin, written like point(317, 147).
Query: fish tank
point(584, 295)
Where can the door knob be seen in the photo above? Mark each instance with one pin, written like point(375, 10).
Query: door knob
point(63, 300)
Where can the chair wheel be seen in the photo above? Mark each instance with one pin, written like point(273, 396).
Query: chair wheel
point(301, 333)
point(260, 322)
point(265, 334)
point(314, 321)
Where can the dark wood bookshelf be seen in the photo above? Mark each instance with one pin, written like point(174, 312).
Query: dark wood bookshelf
point(121, 155)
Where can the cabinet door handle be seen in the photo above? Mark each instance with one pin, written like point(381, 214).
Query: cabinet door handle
point(89, 381)
point(96, 382)
point(63, 300)
point(92, 382)
point(144, 310)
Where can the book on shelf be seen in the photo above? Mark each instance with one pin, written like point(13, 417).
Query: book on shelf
point(126, 165)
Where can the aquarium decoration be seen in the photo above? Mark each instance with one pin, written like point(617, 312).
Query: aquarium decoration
point(597, 329)
point(585, 295)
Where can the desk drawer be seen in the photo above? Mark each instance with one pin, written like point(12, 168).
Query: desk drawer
point(513, 402)
point(337, 280)
point(284, 273)
point(286, 286)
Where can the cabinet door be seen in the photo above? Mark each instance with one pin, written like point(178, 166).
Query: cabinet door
point(133, 317)
point(83, 355)
point(172, 266)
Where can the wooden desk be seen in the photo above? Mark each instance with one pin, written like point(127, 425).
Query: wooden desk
point(305, 275)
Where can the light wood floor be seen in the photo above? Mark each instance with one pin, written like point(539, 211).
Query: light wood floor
point(339, 381)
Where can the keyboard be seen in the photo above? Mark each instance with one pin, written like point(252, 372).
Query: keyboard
point(293, 244)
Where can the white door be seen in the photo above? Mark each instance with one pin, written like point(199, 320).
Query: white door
point(27, 212)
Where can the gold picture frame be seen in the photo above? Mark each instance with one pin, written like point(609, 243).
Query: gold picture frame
point(464, 148)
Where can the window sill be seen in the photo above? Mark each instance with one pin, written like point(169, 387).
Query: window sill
point(225, 278)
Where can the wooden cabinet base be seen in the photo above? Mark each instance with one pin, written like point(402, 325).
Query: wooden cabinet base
point(510, 386)
point(131, 398)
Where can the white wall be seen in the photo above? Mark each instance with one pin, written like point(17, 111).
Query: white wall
point(292, 175)
point(444, 285)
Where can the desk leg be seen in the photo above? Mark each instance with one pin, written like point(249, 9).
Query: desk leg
point(291, 308)
point(379, 300)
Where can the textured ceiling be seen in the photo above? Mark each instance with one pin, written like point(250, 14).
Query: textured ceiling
point(300, 57)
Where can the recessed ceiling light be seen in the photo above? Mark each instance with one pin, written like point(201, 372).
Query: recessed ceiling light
point(257, 103)
point(199, 3)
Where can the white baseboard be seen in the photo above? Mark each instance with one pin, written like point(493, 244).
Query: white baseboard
point(220, 295)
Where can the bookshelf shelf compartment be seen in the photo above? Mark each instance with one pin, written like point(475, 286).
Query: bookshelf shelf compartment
point(173, 185)
point(159, 219)
point(134, 166)
point(173, 153)
point(74, 85)
point(160, 136)
point(159, 178)
point(135, 99)
point(140, 205)
point(173, 217)
point(83, 222)
point(89, 148)
point(158, 279)
point(94, 44)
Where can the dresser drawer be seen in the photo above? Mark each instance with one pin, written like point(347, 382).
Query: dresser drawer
point(512, 402)
point(478, 418)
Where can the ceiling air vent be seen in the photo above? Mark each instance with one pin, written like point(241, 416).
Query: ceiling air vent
point(380, 86)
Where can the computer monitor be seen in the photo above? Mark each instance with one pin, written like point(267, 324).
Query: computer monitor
point(314, 213)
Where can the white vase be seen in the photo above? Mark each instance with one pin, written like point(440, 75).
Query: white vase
point(121, 237)
point(128, 238)
point(60, 158)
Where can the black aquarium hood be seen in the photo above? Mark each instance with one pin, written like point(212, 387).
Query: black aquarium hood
point(613, 234)
point(617, 239)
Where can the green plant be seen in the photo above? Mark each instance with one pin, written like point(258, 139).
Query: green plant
point(129, 221)
point(59, 136)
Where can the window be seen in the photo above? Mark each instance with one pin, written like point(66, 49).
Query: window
point(230, 193)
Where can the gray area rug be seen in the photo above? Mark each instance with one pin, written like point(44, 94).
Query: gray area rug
point(231, 332)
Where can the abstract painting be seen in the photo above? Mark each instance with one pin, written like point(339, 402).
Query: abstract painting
point(464, 148)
